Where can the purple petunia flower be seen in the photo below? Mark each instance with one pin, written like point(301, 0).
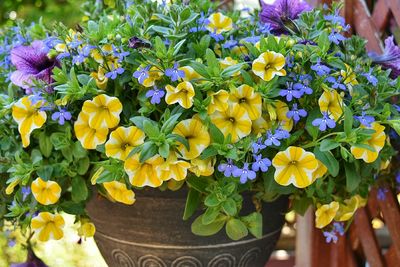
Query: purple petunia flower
point(291, 92)
point(245, 174)
point(142, 74)
point(61, 116)
point(260, 163)
point(365, 120)
point(324, 122)
point(114, 73)
point(227, 168)
point(390, 59)
point(155, 95)
point(295, 113)
point(330, 236)
point(31, 63)
point(175, 73)
point(371, 78)
point(281, 13)
point(32, 261)
point(335, 37)
point(320, 69)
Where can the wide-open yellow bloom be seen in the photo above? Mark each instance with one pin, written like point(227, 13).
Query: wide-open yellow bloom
point(148, 173)
point(48, 226)
point(228, 62)
point(348, 208)
point(234, 121)
point(196, 133)
point(294, 166)
point(176, 169)
point(89, 137)
point(269, 64)
point(29, 117)
point(324, 214)
point(247, 98)
point(119, 192)
point(122, 140)
point(202, 167)
point(219, 101)
point(219, 23)
point(332, 103)
point(190, 74)
point(45, 192)
point(377, 141)
point(182, 94)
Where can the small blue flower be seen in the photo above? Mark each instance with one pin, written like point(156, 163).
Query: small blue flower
point(258, 146)
point(324, 122)
point(281, 134)
point(231, 43)
point(121, 54)
point(260, 163)
point(381, 194)
point(11, 243)
point(142, 74)
point(398, 178)
point(365, 120)
point(252, 39)
point(397, 107)
point(295, 113)
point(336, 84)
point(320, 69)
point(291, 92)
point(61, 116)
point(227, 168)
point(336, 37)
point(335, 19)
point(74, 43)
point(264, 28)
point(271, 139)
point(245, 174)
point(217, 36)
point(114, 73)
point(330, 236)
point(175, 73)
point(26, 191)
point(338, 228)
point(155, 95)
point(371, 78)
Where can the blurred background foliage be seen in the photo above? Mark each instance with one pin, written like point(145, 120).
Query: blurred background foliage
point(67, 11)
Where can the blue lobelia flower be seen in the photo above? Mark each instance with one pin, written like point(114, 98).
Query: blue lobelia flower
point(371, 78)
point(120, 53)
point(245, 173)
point(61, 116)
point(365, 120)
point(336, 19)
point(114, 73)
point(258, 146)
point(260, 163)
point(335, 37)
point(175, 73)
point(26, 191)
point(252, 39)
point(264, 28)
point(330, 236)
point(231, 43)
point(217, 36)
point(281, 134)
point(142, 74)
point(271, 139)
point(291, 92)
point(381, 194)
point(303, 84)
point(155, 95)
point(295, 113)
point(320, 69)
point(338, 228)
point(324, 122)
point(227, 168)
point(336, 83)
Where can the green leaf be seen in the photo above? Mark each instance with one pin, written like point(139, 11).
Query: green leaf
point(236, 229)
point(149, 150)
point(180, 139)
point(208, 152)
point(229, 71)
point(198, 183)
point(254, 222)
point(206, 230)
point(163, 150)
point(200, 69)
point(353, 178)
point(150, 129)
point(71, 207)
point(348, 121)
point(328, 160)
point(36, 156)
point(395, 124)
point(45, 144)
point(212, 200)
point(170, 123)
point(83, 165)
point(59, 141)
point(212, 61)
point(210, 215)
point(229, 207)
point(311, 129)
point(192, 203)
point(79, 190)
point(45, 172)
point(301, 205)
point(328, 145)
point(216, 134)
point(178, 46)
point(323, 42)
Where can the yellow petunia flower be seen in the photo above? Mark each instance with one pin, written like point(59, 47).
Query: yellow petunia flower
point(182, 94)
point(103, 111)
point(48, 226)
point(377, 141)
point(281, 112)
point(218, 23)
point(29, 117)
point(260, 126)
point(196, 133)
point(89, 137)
point(87, 229)
point(247, 98)
point(332, 103)
point(349, 76)
point(325, 214)
point(202, 167)
point(219, 101)
point(234, 121)
point(176, 169)
point(148, 173)
point(45, 192)
point(118, 191)
point(122, 140)
point(154, 75)
point(190, 74)
point(228, 62)
point(240, 50)
point(100, 78)
point(320, 171)
point(348, 208)
point(269, 64)
point(294, 166)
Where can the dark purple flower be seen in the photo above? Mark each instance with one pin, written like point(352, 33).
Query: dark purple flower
point(335, 37)
point(61, 116)
point(324, 122)
point(142, 74)
point(281, 13)
point(32, 261)
point(295, 113)
point(245, 173)
point(155, 95)
point(291, 92)
point(31, 63)
point(320, 69)
point(136, 43)
point(390, 59)
point(260, 163)
point(227, 168)
point(330, 236)
point(365, 120)
point(175, 73)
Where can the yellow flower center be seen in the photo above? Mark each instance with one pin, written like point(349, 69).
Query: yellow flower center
point(231, 119)
point(293, 162)
point(242, 100)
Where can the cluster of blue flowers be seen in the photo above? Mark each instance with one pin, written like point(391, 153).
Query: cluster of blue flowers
point(332, 236)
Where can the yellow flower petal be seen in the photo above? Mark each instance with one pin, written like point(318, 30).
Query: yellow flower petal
point(119, 192)
point(122, 140)
point(218, 23)
point(89, 137)
point(247, 98)
point(45, 192)
point(182, 94)
point(325, 214)
point(48, 226)
point(103, 111)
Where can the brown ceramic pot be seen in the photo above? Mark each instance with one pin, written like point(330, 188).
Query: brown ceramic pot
point(151, 233)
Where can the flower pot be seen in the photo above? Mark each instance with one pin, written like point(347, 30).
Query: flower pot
point(151, 233)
